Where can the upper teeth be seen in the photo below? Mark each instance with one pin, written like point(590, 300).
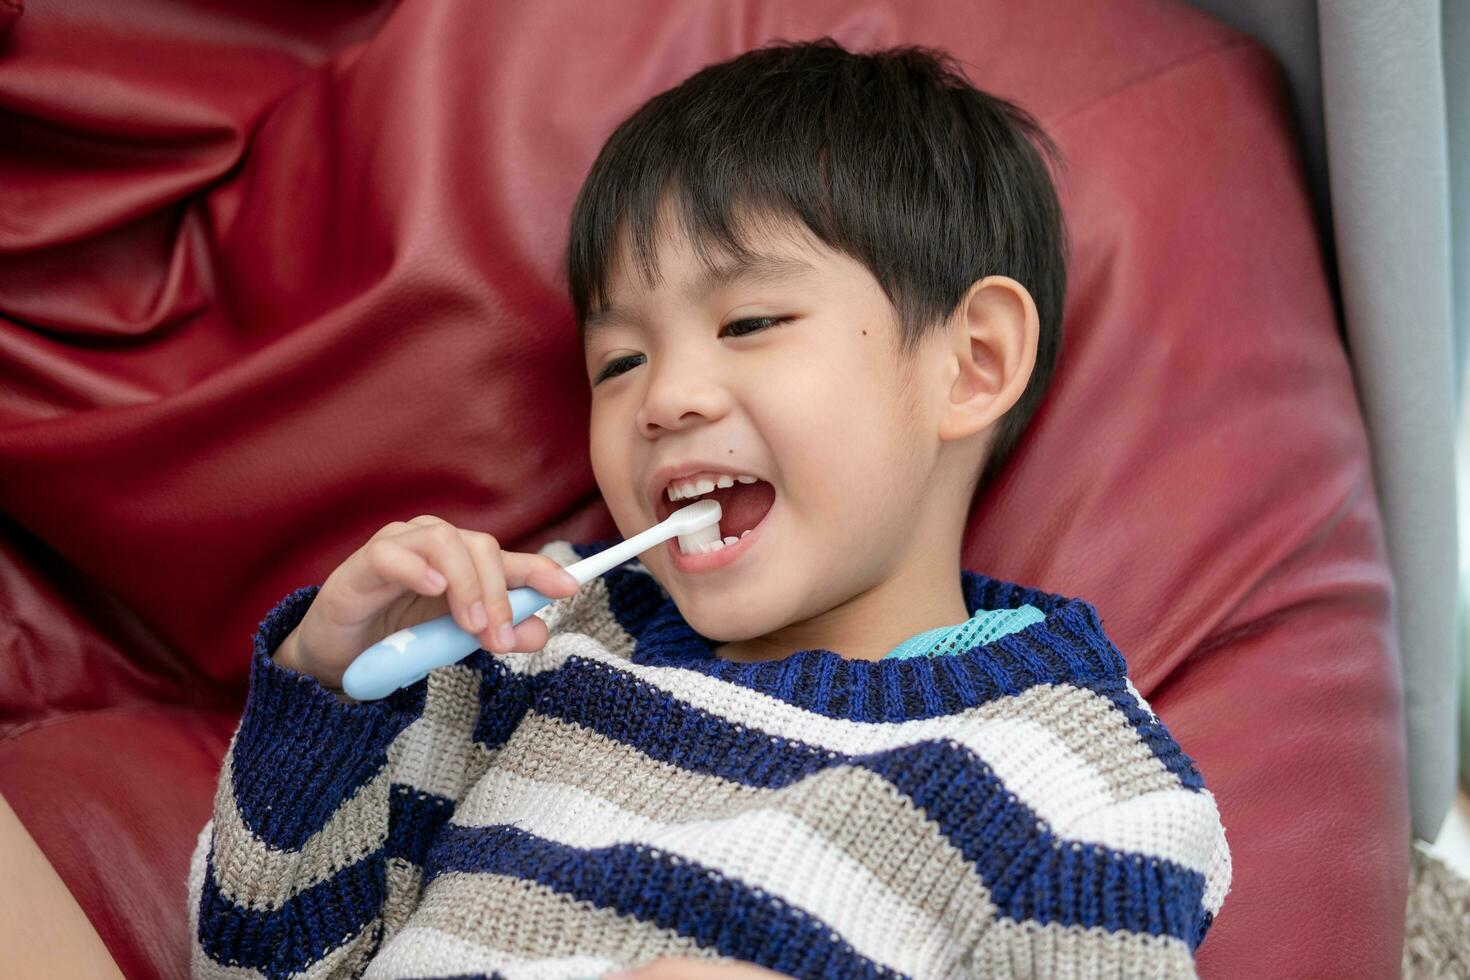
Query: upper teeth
point(682, 489)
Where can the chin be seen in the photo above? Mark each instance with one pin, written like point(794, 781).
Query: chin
point(722, 618)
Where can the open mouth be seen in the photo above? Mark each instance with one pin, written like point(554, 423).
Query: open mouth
point(742, 505)
point(743, 508)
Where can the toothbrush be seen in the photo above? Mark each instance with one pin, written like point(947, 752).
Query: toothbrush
point(399, 659)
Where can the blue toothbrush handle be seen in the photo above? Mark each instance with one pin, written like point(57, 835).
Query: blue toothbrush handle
point(399, 659)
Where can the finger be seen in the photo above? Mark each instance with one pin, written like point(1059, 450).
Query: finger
point(531, 634)
point(444, 547)
point(391, 529)
point(489, 560)
point(385, 562)
point(540, 572)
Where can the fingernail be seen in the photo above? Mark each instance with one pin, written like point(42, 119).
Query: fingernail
point(478, 619)
point(572, 583)
point(436, 578)
point(506, 636)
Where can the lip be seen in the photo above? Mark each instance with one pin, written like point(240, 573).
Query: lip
point(665, 475)
point(711, 561)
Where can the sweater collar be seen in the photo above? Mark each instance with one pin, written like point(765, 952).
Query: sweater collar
point(1068, 646)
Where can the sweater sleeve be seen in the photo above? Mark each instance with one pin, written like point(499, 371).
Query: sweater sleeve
point(1127, 886)
point(325, 808)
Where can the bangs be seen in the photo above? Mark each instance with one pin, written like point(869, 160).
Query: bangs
point(891, 158)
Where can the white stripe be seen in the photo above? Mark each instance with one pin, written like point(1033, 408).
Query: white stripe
point(1177, 825)
point(420, 951)
point(1083, 792)
point(1055, 782)
point(766, 849)
point(1217, 878)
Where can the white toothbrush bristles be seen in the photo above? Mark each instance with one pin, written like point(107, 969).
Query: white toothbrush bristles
point(694, 543)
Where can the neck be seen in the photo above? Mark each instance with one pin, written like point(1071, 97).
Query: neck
point(922, 594)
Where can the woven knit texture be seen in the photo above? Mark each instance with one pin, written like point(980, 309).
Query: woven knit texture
point(1010, 809)
point(985, 626)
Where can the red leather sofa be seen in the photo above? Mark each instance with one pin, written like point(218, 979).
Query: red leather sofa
point(275, 274)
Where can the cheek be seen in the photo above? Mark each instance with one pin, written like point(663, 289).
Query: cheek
point(835, 441)
point(609, 463)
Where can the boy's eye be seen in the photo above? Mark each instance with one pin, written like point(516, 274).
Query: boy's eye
point(619, 365)
point(616, 367)
point(764, 322)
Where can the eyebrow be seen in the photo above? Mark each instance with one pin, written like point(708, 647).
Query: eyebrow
point(760, 269)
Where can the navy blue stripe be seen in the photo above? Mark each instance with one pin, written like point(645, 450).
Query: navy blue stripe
point(1030, 871)
point(504, 698)
point(300, 753)
point(1207, 920)
point(673, 893)
point(1087, 631)
point(633, 597)
point(414, 817)
point(1069, 646)
point(949, 782)
point(621, 707)
point(313, 922)
point(1153, 733)
point(291, 938)
point(1051, 651)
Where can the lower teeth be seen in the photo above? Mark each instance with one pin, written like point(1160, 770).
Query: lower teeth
point(708, 539)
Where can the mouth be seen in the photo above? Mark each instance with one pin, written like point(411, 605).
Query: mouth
point(744, 508)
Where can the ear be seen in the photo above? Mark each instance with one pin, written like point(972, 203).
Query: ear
point(993, 341)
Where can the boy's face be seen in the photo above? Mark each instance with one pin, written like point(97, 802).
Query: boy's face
point(815, 405)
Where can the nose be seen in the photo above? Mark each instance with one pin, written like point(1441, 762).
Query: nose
point(678, 396)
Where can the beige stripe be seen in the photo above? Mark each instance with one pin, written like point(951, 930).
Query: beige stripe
point(767, 850)
point(1030, 949)
point(1093, 735)
point(429, 953)
point(1080, 718)
point(403, 880)
point(1089, 725)
point(859, 812)
point(856, 810)
point(201, 964)
point(587, 611)
point(545, 924)
point(893, 839)
point(256, 876)
point(1072, 726)
point(346, 960)
point(435, 754)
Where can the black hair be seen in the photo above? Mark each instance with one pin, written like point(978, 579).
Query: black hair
point(891, 157)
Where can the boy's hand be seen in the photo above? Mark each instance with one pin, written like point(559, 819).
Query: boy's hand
point(410, 572)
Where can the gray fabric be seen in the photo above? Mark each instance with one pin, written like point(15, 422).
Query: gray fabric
point(1457, 118)
point(1384, 105)
point(1371, 83)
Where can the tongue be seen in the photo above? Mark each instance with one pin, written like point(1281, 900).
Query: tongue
point(742, 506)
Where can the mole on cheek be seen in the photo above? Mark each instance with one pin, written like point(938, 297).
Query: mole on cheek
point(865, 333)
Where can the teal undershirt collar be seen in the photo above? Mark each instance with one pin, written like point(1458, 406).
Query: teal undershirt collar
point(981, 628)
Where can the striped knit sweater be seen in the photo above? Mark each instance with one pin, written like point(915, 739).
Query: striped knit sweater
point(1013, 809)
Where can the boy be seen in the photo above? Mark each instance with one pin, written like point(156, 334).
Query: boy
point(825, 288)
